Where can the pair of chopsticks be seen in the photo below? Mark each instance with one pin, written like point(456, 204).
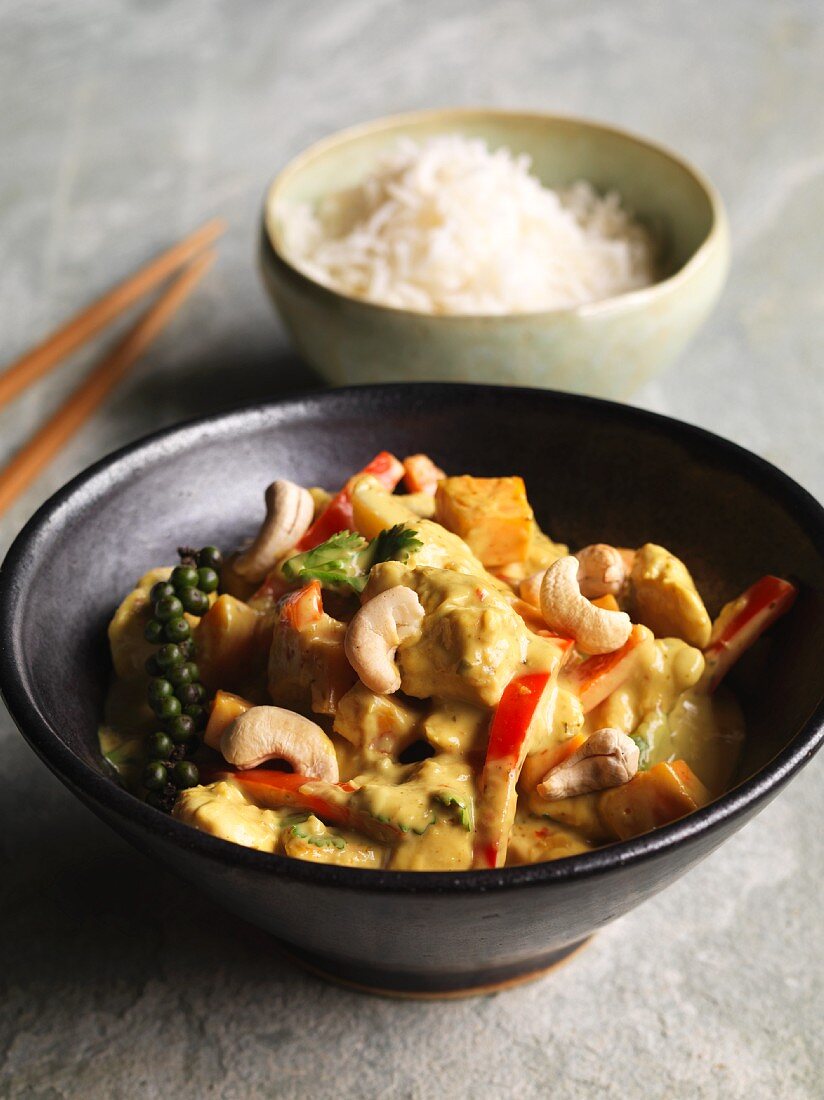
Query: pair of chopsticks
point(195, 256)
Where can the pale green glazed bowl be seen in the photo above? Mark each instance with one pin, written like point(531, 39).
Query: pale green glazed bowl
point(608, 348)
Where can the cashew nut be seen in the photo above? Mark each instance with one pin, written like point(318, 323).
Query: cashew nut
point(289, 511)
point(272, 733)
point(373, 637)
point(601, 571)
point(565, 610)
point(608, 758)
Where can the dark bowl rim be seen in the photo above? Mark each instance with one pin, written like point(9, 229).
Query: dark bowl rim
point(110, 798)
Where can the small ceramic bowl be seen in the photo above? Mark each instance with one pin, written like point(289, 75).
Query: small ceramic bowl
point(608, 348)
point(727, 513)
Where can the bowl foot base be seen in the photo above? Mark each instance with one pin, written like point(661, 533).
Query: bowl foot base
point(429, 987)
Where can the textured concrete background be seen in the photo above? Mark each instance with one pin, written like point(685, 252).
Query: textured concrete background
point(123, 125)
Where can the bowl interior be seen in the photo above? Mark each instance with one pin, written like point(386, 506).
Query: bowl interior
point(594, 471)
point(662, 191)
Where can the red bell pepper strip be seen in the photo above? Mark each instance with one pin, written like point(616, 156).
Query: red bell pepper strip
point(742, 622)
point(329, 801)
point(338, 514)
point(597, 677)
point(505, 755)
point(302, 608)
point(421, 475)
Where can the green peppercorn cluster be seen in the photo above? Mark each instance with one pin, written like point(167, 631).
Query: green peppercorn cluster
point(175, 692)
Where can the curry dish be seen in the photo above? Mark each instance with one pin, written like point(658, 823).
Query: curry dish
point(424, 680)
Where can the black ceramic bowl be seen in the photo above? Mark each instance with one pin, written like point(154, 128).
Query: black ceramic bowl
point(594, 470)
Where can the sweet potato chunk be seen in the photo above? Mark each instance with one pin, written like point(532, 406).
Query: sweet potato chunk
point(657, 797)
point(230, 652)
point(491, 514)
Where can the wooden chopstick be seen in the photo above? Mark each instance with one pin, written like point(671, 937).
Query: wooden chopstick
point(45, 443)
point(39, 360)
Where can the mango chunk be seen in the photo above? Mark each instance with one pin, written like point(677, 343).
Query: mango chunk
point(654, 798)
point(491, 514)
point(374, 509)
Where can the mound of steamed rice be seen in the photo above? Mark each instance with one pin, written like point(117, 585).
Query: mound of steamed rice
point(450, 227)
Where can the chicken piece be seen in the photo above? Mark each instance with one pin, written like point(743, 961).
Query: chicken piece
point(223, 810)
point(442, 549)
point(308, 668)
point(315, 842)
point(457, 727)
point(376, 723)
point(471, 643)
point(664, 597)
point(491, 514)
point(660, 671)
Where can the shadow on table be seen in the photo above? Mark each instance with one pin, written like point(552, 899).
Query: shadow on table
point(227, 377)
point(82, 912)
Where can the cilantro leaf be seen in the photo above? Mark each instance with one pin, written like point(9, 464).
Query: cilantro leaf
point(335, 563)
point(344, 560)
point(394, 544)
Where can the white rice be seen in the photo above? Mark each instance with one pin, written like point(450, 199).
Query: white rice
point(450, 227)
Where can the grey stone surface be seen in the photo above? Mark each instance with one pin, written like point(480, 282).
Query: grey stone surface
point(123, 125)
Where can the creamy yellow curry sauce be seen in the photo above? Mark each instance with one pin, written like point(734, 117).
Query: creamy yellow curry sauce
point(424, 680)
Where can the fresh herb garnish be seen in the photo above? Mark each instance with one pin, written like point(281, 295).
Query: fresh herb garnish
point(465, 807)
point(175, 692)
point(394, 544)
point(336, 563)
point(325, 840)
point(344, 560)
